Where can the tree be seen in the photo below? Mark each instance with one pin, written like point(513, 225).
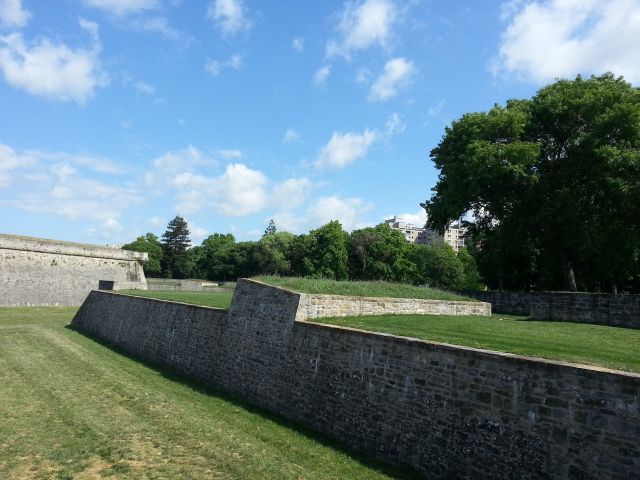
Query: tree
point(378, 253)
point(175, 241)
point(557, 176)
point(437, 266)
point(150, 244)
point(327, 253)
point(271, 228)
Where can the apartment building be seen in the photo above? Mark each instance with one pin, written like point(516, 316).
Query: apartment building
point(454, 235)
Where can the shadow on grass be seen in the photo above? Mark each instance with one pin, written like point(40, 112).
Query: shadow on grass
point(398, 472)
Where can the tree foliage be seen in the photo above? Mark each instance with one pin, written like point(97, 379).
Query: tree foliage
point(554, 185)
point(150, 244)
point(175, 241)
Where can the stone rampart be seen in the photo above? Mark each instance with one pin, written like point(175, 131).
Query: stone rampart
point(322, 306)
point(447, 411)
point(596, 308)
point(36, 271)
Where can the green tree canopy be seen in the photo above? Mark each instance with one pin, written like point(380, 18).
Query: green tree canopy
point(175, 241)
point(148, 243)
point(553, 182)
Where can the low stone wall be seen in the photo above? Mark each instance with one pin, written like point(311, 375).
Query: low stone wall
point(322, 306)
point(36, 271)
point(182, 285)
point(449, 412)
point(596, 308)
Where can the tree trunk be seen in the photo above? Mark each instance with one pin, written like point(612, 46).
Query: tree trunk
point(569, 276)
point(614, 288)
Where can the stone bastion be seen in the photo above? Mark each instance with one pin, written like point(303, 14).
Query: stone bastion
point(37, 271)
point(446, 411)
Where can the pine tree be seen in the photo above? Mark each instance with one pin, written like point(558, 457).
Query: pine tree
point(271, 228)
point(175, 242)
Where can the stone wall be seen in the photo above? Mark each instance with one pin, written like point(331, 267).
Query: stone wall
point(35, 271)
point(319, 306)
point(182, 285)
point(596, 308)
point(449, 412)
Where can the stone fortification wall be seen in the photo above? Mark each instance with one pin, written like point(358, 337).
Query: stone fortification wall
point(182, 285)
point(319, 306)
point(35, 271)
point(449, 412)
point(596, 308)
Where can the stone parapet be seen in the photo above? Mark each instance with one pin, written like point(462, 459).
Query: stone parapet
point(446, 411)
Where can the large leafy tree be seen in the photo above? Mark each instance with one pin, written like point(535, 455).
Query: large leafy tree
point(378, 253)
point(148, 243)
point(553, 182)
point(175, 241)
point(326, 252)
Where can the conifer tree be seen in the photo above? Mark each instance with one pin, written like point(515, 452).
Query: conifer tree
point(271, 228)
point(175, 241)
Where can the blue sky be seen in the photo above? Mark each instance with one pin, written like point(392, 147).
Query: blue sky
point(120, 114)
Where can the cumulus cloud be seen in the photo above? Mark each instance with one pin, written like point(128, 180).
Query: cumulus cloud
point(291, 136)
point(53, 70)
point(172, 163)
point(298, 44)
point(418, 219)
point(145, 88)
point(10, 160)
point(348, 211)
point(394, 125)
point(345, 148)
point(362, 25)
point(291, 193)
point(121, 7)
point(12, 14)
point(397, 73)
point(229, 154)
point(229, 16)
point(321, 76)
point(561, 38)
point(215, 67)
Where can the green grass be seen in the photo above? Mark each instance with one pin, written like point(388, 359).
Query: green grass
point(359, 289)
point(71, 407)
point(612, 347)
point(208, 299)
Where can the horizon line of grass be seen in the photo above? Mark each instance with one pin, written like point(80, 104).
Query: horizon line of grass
point(604, 346)
point(360, 288)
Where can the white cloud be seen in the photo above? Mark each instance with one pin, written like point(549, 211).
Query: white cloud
point(10, 160)
point(348, 211)
point(60, 188)
point(157, 222)
point(397, 74)
point(418, 219)
point(63, 164)
point(394, 125)
point(230, 154)
point(122, 7)
point(321, 75)
point(229, 16)
point(12, 15)
point(167, 166)
point(53, 70)
point(561, 38)
point(291, 136)
point(291, 193)
point(197, 233)
point(345, 148)
point(156, 24)
point(215, 67)
point(298, 44)
point(145, 88)
point(362, 25)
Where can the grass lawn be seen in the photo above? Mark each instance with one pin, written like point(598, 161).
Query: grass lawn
point(71, 407)
point(359, 289)
point(208, 299)
point(611, 347)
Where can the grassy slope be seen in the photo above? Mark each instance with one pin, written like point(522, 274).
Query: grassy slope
point(360, 289)
point(591, 344)
point(73, 408)
point(208, 299)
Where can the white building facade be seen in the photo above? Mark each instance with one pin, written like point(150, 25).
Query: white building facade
point(453, 236)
